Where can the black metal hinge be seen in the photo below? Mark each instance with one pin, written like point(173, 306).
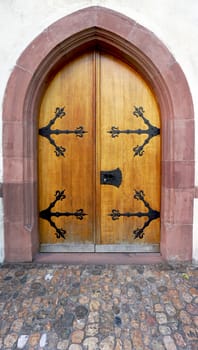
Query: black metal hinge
point(47, 214)
point(152, 131)
point(46, 131)
point(151, 214)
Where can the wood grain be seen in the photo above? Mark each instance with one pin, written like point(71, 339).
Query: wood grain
point(71, 88)
point(121, 88)
point(99, 91)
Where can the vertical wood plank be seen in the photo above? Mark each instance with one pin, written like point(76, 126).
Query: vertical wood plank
point(72, 89)
point(122, 89)
point(99, 91)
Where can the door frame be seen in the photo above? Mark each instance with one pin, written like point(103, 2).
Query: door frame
point(136, 45)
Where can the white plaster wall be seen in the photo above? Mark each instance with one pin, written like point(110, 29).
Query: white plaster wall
point(175, 22)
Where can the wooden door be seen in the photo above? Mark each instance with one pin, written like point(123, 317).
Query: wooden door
point(127, 116)
point(67, 158)
point(99, 159)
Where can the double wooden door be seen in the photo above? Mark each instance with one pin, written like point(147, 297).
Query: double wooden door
point(99, 159)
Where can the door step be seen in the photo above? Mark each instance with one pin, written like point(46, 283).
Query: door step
point(99, 248)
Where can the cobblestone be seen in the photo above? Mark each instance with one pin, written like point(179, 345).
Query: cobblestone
point(99, 307)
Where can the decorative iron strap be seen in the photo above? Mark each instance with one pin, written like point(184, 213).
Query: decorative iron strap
point(46, 131)
point(152, 131)
point(151, 214)
point(47, 214)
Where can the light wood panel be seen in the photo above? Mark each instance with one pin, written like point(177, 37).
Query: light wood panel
point(99, 91)
point(72, 88)
point(121, 88)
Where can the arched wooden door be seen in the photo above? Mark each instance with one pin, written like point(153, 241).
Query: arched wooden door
point(99, 159)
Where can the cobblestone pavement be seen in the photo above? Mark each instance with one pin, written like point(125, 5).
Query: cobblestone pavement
point(107, 307)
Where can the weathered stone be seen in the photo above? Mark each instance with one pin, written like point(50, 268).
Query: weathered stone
point(83, 300)
point(34, 339)
point(118, 321)
point(179, 340)
point(164, 330)
point(22, 340)
point(10, 340)
point(63, 345)
point(151, 321)
point(79, 324)
point(117, 292)
point(62, 328)
point(157, 345)
point(77, 336)
point(191, 333)
point(162, 289)
point(116, 309)
point(63, 301)
point(127, 344)
point(192, 309)
point(179, 305)
point(96, 293)
point(187, 297)
point(43, 340)
point(107, 343)
point(160, 313)
point(106, 328)
point(93, 317)
point(37, 289)
point(117, 331)
point(158, 308)
point(136, 339)
point(118, 345)
point(147, 339)
point(151, 279)
point(173, 293)
point(193, 291)
point(17, 325)
point(140, 269)
point(19, 273)
point(48, 277)
point(161, 317)
point(142, 315)
point(155, 298)
point(75, 347)
point(195, 320)
point(94, 305)
point(91, 343)
point(184, 317)
point(91, 329)
point(81, 312)
point(169, 343)
point(144, 327)
point(170, 310)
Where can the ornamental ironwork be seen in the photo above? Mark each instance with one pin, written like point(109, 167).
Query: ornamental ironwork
point(151, 131)
point(151, 214)
point(47, 214)
point(46, 131)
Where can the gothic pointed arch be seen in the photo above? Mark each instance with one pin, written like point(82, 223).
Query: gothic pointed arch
point(123, 37)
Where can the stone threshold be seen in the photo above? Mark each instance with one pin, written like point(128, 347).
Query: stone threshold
point(99, 258)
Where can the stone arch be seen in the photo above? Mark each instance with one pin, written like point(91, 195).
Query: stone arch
point(138, 46)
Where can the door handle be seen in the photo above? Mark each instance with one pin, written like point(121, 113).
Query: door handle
point(111, 177)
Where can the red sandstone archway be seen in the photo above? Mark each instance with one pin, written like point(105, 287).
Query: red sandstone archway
point(139, 47)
